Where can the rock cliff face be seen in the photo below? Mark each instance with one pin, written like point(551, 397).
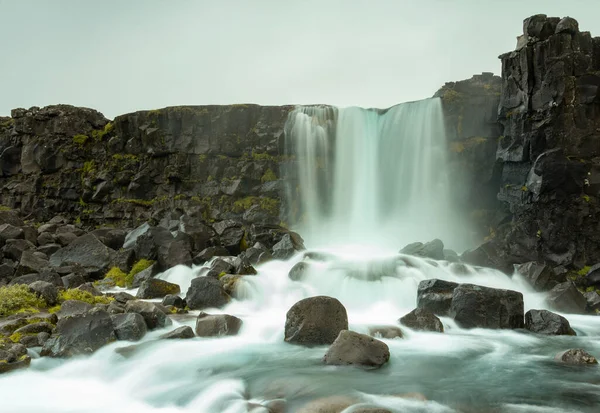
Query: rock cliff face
point(218, 162)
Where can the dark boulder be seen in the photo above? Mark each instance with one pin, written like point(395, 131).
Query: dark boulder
point(548, 323)
point(14, 248)
point(148, 244)
point(89, 287)
point(8, 231)
point(433, 249)
point(129, 326)
point(49, 249)
point(155, 288)
point(206, 292)
point(113, 238)
point(576, 357)
point(124, 259)
point(592, 278)
point(12, 218)
point(288, 246)
point(152, 314)
point(315, 321)
point(73, 280)
point(199, 233)
point(176, 252)
point(435, 296)
point(387, 332)
point(132, 236)
point(47, 291)
point(299, 271)
point(541, 276)
point(220, 266)
point(80, 334)
point(421, 319)
point(48, 276)
point(35, 328)
point(350, 348)
point(173, 300)
point(489, 255)
point(208, 253)
point(31, 263)
point(179, 333)
point(86, 251)
point(474, 306)
point(593, 301)
point(217, 325)
point(145, 275)
point(566, 298)
point(73, 307)
point(65, 238)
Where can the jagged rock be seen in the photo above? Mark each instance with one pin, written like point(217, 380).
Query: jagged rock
point(14, 248)
point(387, 332)
point(421, 319)
point(299, 271)
point(8, 231)
point(174, 253)
point(46, 290)
point(113, 238)
point(576, 357)
point(566, 298)
point(217, 325)
point(153, 315)
point(179, 333)
point(593, 301)
point(433, 249)
point(145, 275)
point(285, 248)
point(155, 288)
point(6, 273)
point(49, 249)
point(72, 280)
point(350, 348)
point(147, 245)
point(122, 297)
point(435, 296)
point(220, 266)
point(48, 276)
point(173, 300)
point(86, 251)
point(206, 292)
point(592, 278)
point(13, 356)
point(80, 334)
point(540, 276)
point(208, 253)
point(131, 237)
point(567, 25)
point(199, 233)
point(35, 328)
point(31, 263)
point(73, 307)
point(548, 323)
point(129, 326)
point(65, 238)
point(89, 287)
point(489, 255)
point(474, 306)
point(116, 308)
point(124, 259)
point(315, 321)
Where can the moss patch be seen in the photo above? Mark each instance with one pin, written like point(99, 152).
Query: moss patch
point(80, 139)
point(140, 266)
point(75, 294)
point(18, 299)
point(99, 134)
point(268, 176)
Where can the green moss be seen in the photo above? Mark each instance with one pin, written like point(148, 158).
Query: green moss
point(140, 202)
point(258, 156)
point(222, 274)
point(524, 188)
point(179, 197)
point(210, 178)
point(244, 204)
point(17, 299)
point(140, 266)
point(82, 203)
point(120, 278)
point(268, 176)
point(75, 294)
point(5, 208)
point(7, 123)
point(586, 198)
point(270, 205)
point(582, 272)
point(125, 157)
point(99, 134)
point(15, 337)
point(202, 157)
point(80, 139)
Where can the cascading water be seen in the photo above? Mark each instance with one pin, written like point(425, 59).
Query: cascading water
point(367, 176)
point(359, 175)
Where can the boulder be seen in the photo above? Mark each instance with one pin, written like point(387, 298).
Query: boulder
point(173, 300)
point(35, 328)
point(208, 253)
point(89, 287)
point(45, 238)
point(180, 332)
point(80, 334)
point(47, 291)
point(86, 251)
point(299, 271)
point(315, 321)
point(73, 280)
point(49, 249)
point(148, 244)
point(592, 278)
point(219, 266)
point(122, 297)
point(131, 237)
point(155, 288)
point(129, 326)
point(124, 260)
point(387, 332)
point(14, 248)
point(48, 276)
point(217, 325)
point(433, 249)
point(547, 323)
point(8, 231)
point(593, 301)
point(287, 247)
point(576, 357)
point(116, 308)
point(566, 298)
point(421, 319)
point(541, 276)
point(206, 292)
point(11, 217)
point(31, 263)
point(113, 238)
point(153, 315)
point(65, 238)
point(174, 253)
point(145, 275)
point(350, 348)
point(435, 296)
point(474, 306)
point(73, 307)
point(199, 233)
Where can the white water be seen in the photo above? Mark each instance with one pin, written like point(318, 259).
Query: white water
point(366, 176)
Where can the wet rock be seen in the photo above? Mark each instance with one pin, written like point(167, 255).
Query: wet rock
point(122, 297)
point(474, 306)
point(179, 333)
point(387, 332)
point(73, 307)
point(451, 255)
point(80, 334)
point(115, 308)
point(488, 255)
point(315, 321)
point(592, 278)
point(217, 325)
point(206, 292)
point(86, 251)
point(145, 275)
point(129, 326)
point(593, 301)
point(208, 253)
point(20, 363)
point(155, 288)
point(435, 296)
point(566, 298)
point(548, 323)
point(73, 280)
point(173, 300)
point(433, 249)
point(131, 237)
point(199, 233)
point(124, 260)
point(351, 348)
point(332, 404)
point(287, 247)
point(299, 271)
point(541, 276)
point(421, 319)
point(47, 291)
point(153, 315)
point(220, 266)
point(89, 287)
point(576, 357)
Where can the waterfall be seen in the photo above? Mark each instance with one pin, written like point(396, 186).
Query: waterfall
point(359, 176)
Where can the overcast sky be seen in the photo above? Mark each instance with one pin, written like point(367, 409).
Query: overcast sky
point(120, 56)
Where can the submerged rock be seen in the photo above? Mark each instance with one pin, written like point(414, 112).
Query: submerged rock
point(351, 348)
point(566, 298)
point(436, 296)
point(217, 325)
point(299, 271)
point(388, 332)
point(315, 321)
point(421, 319)
point(548, 323)
point(576, 357)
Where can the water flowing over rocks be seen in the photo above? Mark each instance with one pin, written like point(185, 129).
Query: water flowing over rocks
point(421, 319)
point(350, 348)
point(217, 325)
point(576, 357)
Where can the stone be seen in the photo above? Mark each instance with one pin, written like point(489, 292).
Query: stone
point(474, 306)
point(47, 291)
point(217, 325)
point(593, 301)
point(421, 319)
point(14, 248)
point(80, 334)
point(129, 326)
point(179, 333)
point(35, 328)
point(199, 233)
point(6, 273)
point(48, 276)
point(89, 287)
point(331, 404)
point(65, 238)
point(567, 25)
point(566, 298)
point(286, 248)
point(433, 249)
point(8, 231)
point(219, 266)
point(113, 238)
point(145, 275)
point(152, 314)
point(206, 292)
point(131, 237)
point(174, 253)
point(576, 357)
point(73, 307)
point(30, 263)
point(147, 245)
point(124, 260)
point(122, 297)
point(540, 276)
point(155, 288)
point(116, 308)
point(208, 253)
point(436, 296)
point(351, 348)
point(387, 332)
point(299, 271)
point(547, 323)
point(86, 251)
point(592, 278)
point(315, 321)
point(49, 249)
point(173, 300)
point(72, 280)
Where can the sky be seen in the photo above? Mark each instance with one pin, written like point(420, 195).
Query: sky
point(119, 56)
